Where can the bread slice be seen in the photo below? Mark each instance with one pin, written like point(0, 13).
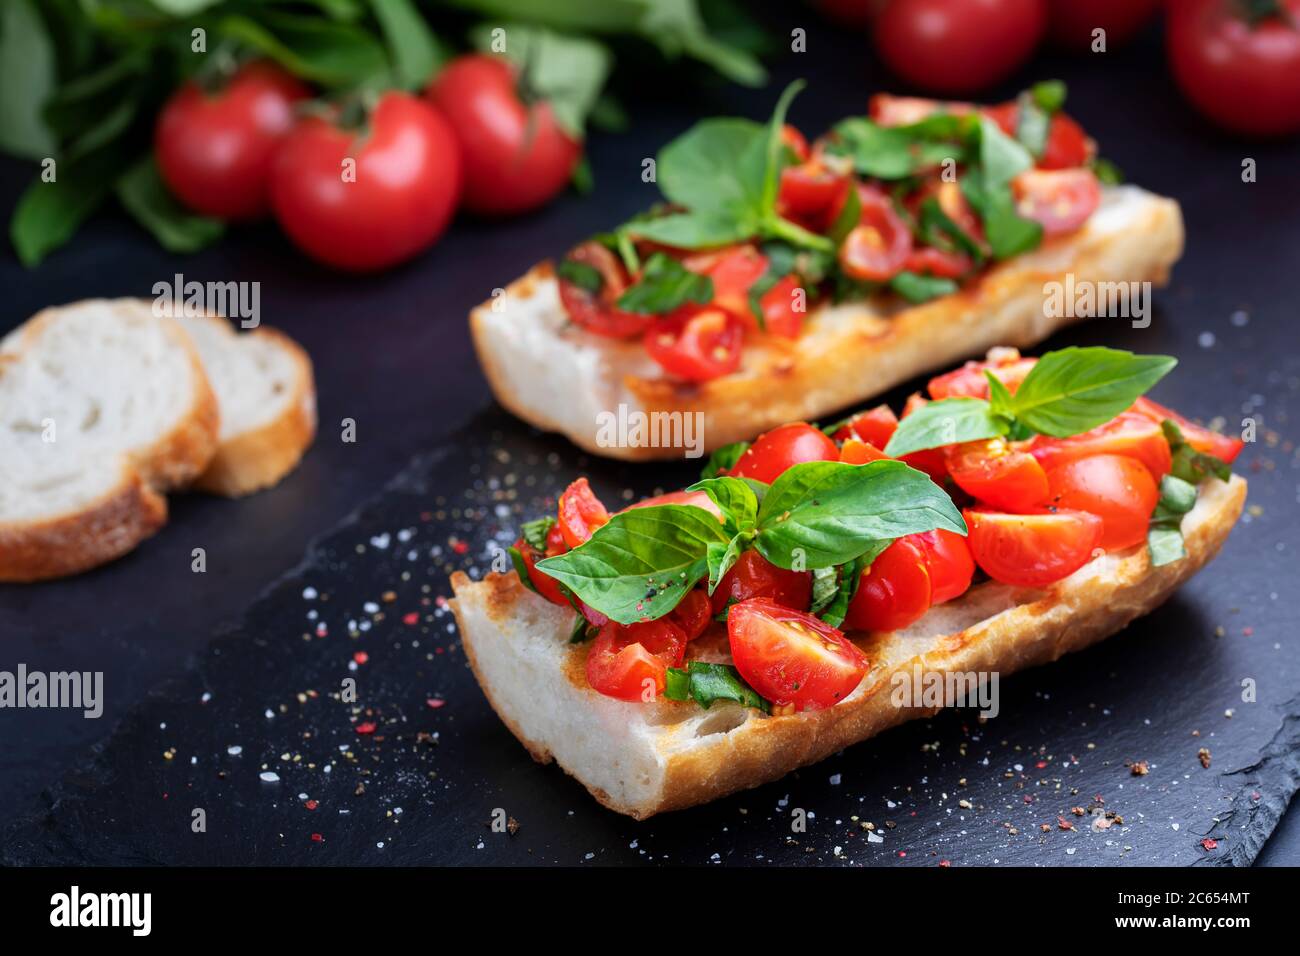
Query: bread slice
point(130, 413)
point(560, 378)
point(642, 759)
point(267, 395)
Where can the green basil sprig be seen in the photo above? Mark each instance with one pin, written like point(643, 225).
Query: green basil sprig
point(1189, 464)
point(1066, 393)
point(1165, 536)
point(665, 285)
point(705, 683)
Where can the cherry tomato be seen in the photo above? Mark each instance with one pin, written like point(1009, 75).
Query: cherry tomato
point(857, 452)
point(696, 345)
point(927, 260)
point(631, 661)
point(753, 576)
point(1067, 144)
point(598, 312)
point(812, 193)
point(1117, 489)
point(546, 585)
point(958, 46)
point(733, 271)
point(795, 141)
point(1244, 77)
point(1128, 433)
point(791, 658)
point(997, 474)
point(1032, 550)
point(516, 155)
point(780, 316)
point(581, 513)
point(948, 559)
point(214, 149)
point(693, 613)
point(890, 110)
point(969, 381)
point(404, 191)
point(875, 426)
point(1070, 22)
point(878, 248)
point(1060, 200)
point(931, 460)
point(775, 451)
point(1198, 436)
point(699, 499)
point(894, 591)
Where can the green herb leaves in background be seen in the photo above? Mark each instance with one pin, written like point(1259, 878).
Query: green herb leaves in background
point(28, 72)
point(142, 192)
point(1066, 393)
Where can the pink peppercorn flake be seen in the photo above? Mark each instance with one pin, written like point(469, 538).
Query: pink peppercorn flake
point(411, 619)
point(361, 657)
point(460, 547)
point(317, 838)
point(1210, 844)
point(366, 727)
point(311, 804)
point(434, 703)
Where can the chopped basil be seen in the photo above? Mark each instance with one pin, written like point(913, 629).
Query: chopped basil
point(917, 288)
point(1165, 536)
point(581, 274)
point(1049, 95)
point(1107, 172)
point(521, 568)
point(705, 683)
point(1032, 125)
point(1189, 464)
point(850, 578)
point(825, 585)
point(665, 285)
point(535, 532)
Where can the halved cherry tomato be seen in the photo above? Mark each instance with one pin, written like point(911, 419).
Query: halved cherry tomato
point(545, 585)
point(931, 460)
point(1199, 437)
point(693, 613)
point(927, 260)
point(1128, 433)
point(733, 271)
point(948, 558)
point(629, 661)
point(792, 658)
point(697, 498)
point(753, 576)
point(858, 452)
point(1117, 489)
point(812, 193)
point(780, 317)
point(952, 203)
point(875, 426)
point(1067, 144)
point(696, 345)
point(890, 110)
point(775, 451)
point(598, 312)
point(796, 141)
point(894, 591)
point(1032, 550)
point(997, 474)
point(581, 513)
point(877, 248)
point(1060, 200)
point(969, 381)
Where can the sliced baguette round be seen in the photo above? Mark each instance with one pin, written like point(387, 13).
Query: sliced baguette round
point(560, 378)
point(643, 759)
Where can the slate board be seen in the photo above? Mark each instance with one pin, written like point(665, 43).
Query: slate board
point(423, 786)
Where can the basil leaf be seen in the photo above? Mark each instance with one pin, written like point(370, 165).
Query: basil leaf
point(850, 578)
point(1001, 158)
point(326, 51)
point(1032, 125)
point(881, 151)
point(724, 459)
point(665, 285)
point(535, 532)
point(1189, 464)
point(639, 564)
point(936, 228)
point(1107, 172)
point(521, 568)
point(49, 213)
point(688, 230)
point(28, 74)
point(1048, 95)
point(721, 558)
point(1165, 536)
point(734, 497)
point(827, 512)
point(718, 166)
point(581, 274)
point(1008, 233)
point(1000, 399)
point(1073, 390)
point(705, 683)
point(142, 193)
point(411, 45)
point(945, 422)
point(825, 585)
point(919, 288)
point(582, 630)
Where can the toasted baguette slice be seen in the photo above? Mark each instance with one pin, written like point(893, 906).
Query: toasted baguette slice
point(642, 759)
point(267, 395)
point(102, 408)
point(560, 378)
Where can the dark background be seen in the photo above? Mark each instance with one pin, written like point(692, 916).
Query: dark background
point(393, 353)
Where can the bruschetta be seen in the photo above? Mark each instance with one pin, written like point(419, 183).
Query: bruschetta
point(716, 638)
point(782, 281)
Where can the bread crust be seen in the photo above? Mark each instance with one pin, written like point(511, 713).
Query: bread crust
point(1036, 627)
point(864, 356)
point(258, 459)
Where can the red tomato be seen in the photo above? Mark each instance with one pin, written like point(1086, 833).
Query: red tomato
point(931, 460)
point(631, 661)
point(894, 592)
point(1198, 436)
point(775, 451)
point(1129, 433)
point(516, 155)
point(581, 513)
point(856, 452)
point(696, 345)
point(214, 150)
point(875, 426)
point(878, 248)
point(791, 658)
point(598, 312)
point(927, 260)
point(1070, 22)
point(780, 317)
point(1244, 77)
point(1060, 200)
point(693, 613)
point(403, 193)
point(697, 498)
point(969, 381)
point(1032, 550)
point(947, 556)
point(546, 585)
point(795, 141)
point(996, 474)
point(733, 271)
point(1117, 489)
point(753, 576)
point(812, 193)
point(958, 46)
point(1067, 144)
point(889, 110)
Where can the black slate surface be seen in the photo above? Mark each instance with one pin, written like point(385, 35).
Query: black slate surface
point(392, 352)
